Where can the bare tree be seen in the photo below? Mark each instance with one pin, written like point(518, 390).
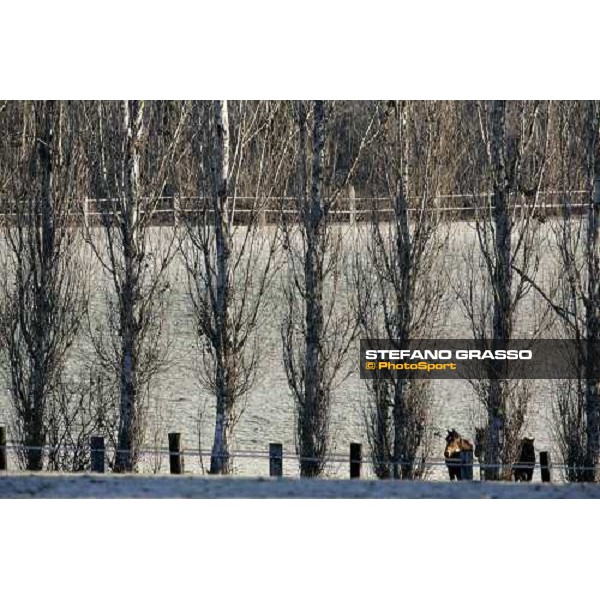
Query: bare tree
point(80, 409)
point(576, 301)
point(132, 155)
point(231, 257)
point(317, 330)
point(507, 166)
point(43, 293)
point(400, 281)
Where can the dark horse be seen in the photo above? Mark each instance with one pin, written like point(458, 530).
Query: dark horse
point(455, 444)
point(523, 469)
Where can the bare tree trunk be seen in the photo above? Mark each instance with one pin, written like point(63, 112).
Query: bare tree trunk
point(219, 462)
point(397, 284)
point(576, 410)
point(402, 317)
point(318, 330)
point(592, 313)
point(43, 296)
point(508, 160)
point(132, 114)
point(36, 436)
point(501, 282)
point(134, 152)
point(313, 408)
point(230, 267)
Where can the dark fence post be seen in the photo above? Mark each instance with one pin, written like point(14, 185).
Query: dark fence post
point(355, 460)
point(97, 454)
point(3, 462)
point(175, 456)
point(276, 460)
point(466, 465)
point(545, 466)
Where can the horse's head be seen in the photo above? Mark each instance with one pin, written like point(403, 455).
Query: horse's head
point(453, 443)
point(527, 442)
point(452, 435)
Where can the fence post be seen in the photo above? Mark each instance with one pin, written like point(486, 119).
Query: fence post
point(352, 204)
point(175, 455)
point(176, 211)
point(276, 460)
point(481, 470)
point(262, 216)
point(355, 460)
point(97, 454)
point(3, 462)
point(466, 465)
point(545, 466)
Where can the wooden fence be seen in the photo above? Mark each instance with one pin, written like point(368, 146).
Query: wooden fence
point(174, 210)
point(276, 457)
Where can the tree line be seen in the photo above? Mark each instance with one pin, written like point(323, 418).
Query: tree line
point(500, 157)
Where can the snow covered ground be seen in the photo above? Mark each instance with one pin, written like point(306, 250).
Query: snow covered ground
point(141, 486)
point(179, 404)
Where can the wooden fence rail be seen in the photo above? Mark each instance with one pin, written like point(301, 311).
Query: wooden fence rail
point(172, 210)
point(275, 455)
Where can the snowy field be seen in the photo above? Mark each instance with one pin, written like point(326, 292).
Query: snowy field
point(140, 486)
point(178, 402)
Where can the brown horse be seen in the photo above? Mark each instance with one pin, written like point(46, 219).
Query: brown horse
point(455, 444)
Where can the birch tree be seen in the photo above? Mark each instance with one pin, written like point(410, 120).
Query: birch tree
point(576, 298)
point(231, 257)
point(587, 283)
point(135, 257)
point(43, 293)
point(317, 329)
point(400, 282)
point(223, 241)
point(508, 161)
